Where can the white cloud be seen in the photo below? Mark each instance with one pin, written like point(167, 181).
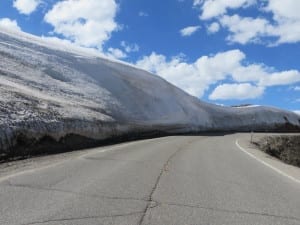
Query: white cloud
point(116, 53)
point(264, 76)
point(236, 91)
point(297, 112)
point(287, 32)
point(284, 9)
point(188, 31)
point(250, 73)
point(130, 47)
point(287, 19)
point(143, 14)
point(9, 24)
point(297, 88)
point(213, 28)
point(26, 6)
point(86, 22)
point(196, 77)
point(215, 8)
point(244, 30)
point(281, 78)
point(284, 27)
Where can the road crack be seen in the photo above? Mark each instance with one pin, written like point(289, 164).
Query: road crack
point(151, 202)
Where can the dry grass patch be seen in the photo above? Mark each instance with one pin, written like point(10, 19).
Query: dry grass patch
point(285, 148)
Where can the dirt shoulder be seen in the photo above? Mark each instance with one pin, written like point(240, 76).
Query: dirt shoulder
point(284, 147)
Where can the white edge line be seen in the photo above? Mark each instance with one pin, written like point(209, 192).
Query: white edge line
point(267, 164)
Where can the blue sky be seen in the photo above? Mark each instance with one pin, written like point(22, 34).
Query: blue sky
point(223, 51)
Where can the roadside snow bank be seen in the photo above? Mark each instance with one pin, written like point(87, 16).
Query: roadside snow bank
point(47, 92)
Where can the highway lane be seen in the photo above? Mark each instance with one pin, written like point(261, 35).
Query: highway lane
point(180, 180)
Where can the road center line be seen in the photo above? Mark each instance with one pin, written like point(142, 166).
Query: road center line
point(267, 164)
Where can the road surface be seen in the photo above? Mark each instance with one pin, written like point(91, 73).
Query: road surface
point(180, 180)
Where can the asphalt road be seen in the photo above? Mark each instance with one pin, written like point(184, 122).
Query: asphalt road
point(186, 180)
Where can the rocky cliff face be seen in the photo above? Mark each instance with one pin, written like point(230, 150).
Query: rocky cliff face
point(47, 91)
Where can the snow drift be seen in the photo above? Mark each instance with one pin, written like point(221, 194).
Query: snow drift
point(51, 93)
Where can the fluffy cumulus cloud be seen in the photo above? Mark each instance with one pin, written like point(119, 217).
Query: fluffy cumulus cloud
point(284, 27)
point(244, 30)
point(143, 14)
point(287, 17)
point(130, 47)
point(188, 31)
point(26, 6)
point(214, 8)
point(213, 28)
point(280, 78)
point(236, 91)
point(86, 22)
point(9, 24)
point(288, 9)
point(196, 77)
point(116, 53)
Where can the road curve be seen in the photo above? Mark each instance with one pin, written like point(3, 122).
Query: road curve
point(179, 180)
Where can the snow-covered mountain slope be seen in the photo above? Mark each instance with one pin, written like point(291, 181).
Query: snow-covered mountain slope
point(46, 90)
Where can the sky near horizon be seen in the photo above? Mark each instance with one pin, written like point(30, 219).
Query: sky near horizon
point(227, 52)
